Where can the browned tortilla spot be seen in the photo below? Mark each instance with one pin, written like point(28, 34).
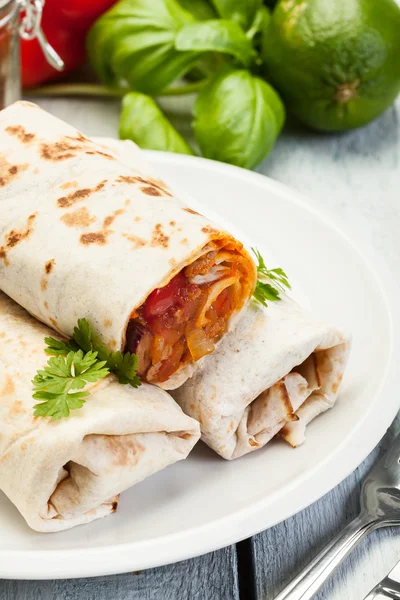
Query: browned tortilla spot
point(14, 237)
point(111, 218)
point(183, 435)
point(53, 322)
point(137, 219)
point(172, 262)
point(67, 147)
point(58, 151)
point(316, 368)
point(114, 506)
point(336, 384)
point(285, 398)
point(151, 186)
point(137, 241)
point(8, 171)
point(158, 237)
point(43, 284)
point(16, 408)
point(20, 132)
point(48, 267)
point(104, 154)
point(80, 137)
point(253, 442)
point(172, 223)
point(3, 256)
point(190, 210)
point(209, 229)
point(151, 191)
point(107, 322)
point(69, 184)
point(113, 344)
point(46, 304)
point(35, 170)
point(8, 388)
point(127, 179)
point(78, 218)
point(78, 195)
point(127, 202)
point(125, 449)
point(160, 184)
point(99, 238)
point(185, 241)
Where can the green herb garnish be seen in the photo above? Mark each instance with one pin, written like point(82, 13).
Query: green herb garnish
point(269, 290)
point(55, 384)
point(74, 363)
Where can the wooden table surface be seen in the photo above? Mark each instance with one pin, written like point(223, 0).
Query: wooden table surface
point(355, 179)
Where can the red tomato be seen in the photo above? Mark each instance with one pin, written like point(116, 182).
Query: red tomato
point(222, 303)
point(163, 298)
point(69, 44)
point(65, 24)
point(79, 12)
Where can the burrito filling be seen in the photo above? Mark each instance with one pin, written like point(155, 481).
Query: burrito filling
point(182, 321)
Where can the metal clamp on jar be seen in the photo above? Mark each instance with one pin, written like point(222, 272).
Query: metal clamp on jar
point(20, 18)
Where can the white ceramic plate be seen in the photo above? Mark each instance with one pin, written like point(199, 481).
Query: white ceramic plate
point(205, 503)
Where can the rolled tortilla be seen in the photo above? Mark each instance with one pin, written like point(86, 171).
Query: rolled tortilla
point(68, 472)
point(275, 372)
point(84, 235)
point(128, 153)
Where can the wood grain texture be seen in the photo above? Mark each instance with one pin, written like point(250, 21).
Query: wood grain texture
point(210, 577)
point(354, 177)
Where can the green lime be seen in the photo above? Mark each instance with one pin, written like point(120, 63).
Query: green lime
point(336, 63)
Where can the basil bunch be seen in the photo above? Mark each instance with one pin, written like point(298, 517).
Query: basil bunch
point(144, 46)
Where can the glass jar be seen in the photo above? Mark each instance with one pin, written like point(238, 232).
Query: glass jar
point(10, 80)
point(20, 18)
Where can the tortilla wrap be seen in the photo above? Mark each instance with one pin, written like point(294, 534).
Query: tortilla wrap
point(68, 472)
point(275, 372)
point(84, 235)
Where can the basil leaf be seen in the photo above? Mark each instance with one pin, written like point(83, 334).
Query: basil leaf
point(241, 11)
point(258, 26)
point(201, 9)
point(216, 35)
point(143, 122)
point(132, 44)
point(237, 118)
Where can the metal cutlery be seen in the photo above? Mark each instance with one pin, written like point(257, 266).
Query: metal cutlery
point(388, 588)
point(380, 507)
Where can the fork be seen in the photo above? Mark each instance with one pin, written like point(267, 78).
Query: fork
point(380, 507)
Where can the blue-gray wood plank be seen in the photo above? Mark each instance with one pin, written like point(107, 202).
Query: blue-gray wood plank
point(209, 577)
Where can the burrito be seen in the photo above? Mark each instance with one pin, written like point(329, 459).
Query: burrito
point(275, 372)
point(68, 472)
point(84, 235)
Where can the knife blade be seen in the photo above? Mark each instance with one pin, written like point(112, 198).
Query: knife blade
point(388, 588)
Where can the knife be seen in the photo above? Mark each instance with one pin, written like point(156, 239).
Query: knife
point(389, 587)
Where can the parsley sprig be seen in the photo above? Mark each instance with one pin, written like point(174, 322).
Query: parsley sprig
point(74, 363)
point(269, 290)
point(55, 384)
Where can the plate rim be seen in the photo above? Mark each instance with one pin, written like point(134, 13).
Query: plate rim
point(244, 522)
